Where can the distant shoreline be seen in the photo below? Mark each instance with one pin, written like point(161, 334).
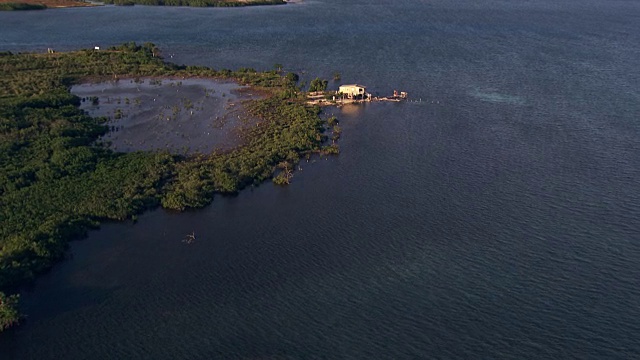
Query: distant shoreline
point(24, 5)
point(196, 3)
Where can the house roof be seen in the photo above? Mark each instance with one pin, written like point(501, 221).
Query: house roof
point(353, 85)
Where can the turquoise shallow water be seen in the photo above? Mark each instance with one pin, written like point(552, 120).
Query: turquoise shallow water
point(497, 218)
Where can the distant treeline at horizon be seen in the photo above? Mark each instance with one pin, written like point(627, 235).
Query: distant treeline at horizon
point(196, 3)
point(21, 6)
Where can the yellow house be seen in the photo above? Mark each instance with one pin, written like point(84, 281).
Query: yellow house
point(353, 90)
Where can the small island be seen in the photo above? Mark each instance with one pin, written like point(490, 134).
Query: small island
point(60, 175)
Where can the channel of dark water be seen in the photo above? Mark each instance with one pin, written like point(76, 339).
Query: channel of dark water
point(499, 217)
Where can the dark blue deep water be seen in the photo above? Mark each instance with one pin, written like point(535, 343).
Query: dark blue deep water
point(499, 218)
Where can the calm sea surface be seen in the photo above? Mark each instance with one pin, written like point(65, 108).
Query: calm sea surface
point(498, 218)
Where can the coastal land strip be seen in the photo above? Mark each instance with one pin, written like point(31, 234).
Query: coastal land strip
point(12, 5)
point(60, 173)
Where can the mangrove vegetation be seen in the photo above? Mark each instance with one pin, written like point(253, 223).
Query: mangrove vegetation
point(57, 181)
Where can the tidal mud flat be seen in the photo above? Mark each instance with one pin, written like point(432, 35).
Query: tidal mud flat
point(177, 115)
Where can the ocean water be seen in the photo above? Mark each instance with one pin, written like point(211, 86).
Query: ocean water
point(496, 215)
